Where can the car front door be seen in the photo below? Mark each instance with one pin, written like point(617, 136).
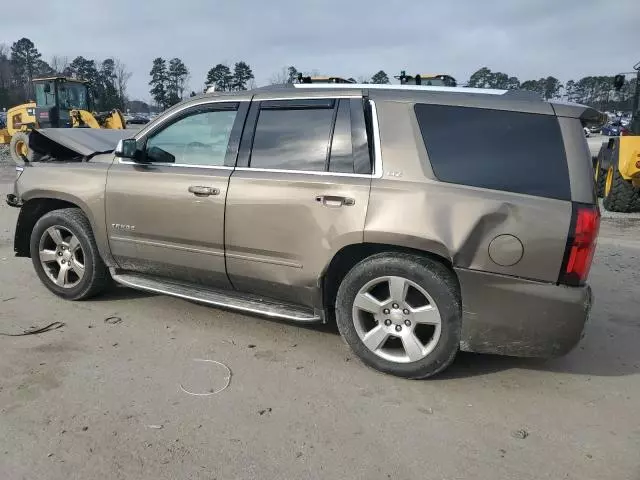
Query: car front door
point(165, 213)
point(298, 195)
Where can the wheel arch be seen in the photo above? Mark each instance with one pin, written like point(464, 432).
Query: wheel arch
point(34, 207)
point(350, 255)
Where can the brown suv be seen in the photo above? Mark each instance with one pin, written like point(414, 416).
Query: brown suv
point(424, 219)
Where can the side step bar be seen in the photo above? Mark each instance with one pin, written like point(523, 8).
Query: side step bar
point(231, 300)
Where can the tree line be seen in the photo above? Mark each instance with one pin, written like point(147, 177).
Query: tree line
point(596, 91)
point(22, 62)
point(108, 79)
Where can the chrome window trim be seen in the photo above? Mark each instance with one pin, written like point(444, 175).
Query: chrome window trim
point(162, 164)
point(333, 96)
point(377, 150)
point(377, 155)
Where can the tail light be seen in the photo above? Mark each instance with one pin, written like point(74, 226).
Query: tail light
point(624, 132)
point(581, 244)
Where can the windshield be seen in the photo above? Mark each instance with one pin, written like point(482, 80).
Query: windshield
point(73, 95)
point(45, 98)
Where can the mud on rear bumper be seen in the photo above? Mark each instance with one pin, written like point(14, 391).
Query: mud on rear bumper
point(513, 316)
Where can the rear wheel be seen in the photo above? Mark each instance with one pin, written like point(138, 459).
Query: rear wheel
point(401, 314)
point(619, 194)
point(65, 255)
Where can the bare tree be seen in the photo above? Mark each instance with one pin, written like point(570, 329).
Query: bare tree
point(280, 77)
point(122, 79)
point(59, 64)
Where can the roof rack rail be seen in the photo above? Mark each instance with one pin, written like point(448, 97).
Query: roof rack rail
point(523, 95)
point(375, 86)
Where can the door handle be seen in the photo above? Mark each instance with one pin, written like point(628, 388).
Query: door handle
point(333, 201)
point(200, 191)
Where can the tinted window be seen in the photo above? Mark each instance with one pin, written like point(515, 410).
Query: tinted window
point(341, 148)
point(198, 139)
point(361, 136)
point(292, 139)
point(500, 150)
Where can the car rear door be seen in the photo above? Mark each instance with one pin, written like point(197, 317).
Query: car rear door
point(298, 195)
point(166, 217)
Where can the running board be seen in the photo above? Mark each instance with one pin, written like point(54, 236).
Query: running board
point(231, 300)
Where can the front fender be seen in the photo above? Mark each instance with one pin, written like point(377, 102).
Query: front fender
point(77, 184)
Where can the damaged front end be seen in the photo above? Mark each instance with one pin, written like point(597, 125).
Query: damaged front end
point(63, 145)
point(72, 144)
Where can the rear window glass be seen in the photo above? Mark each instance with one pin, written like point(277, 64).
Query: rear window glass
point(499, 150)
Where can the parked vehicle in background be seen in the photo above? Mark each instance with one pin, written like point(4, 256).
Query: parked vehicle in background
point(612, 129)
point(60, 102)
point(595, 128)
point(587, 132)
point(138, 120)
point(345, 202)
point(617, 167)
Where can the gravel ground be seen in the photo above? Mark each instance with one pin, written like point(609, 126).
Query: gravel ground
point(103, 400)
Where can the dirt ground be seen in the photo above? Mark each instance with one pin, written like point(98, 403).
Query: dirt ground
point(96, 400)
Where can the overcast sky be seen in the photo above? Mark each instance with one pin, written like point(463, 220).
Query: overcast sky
point(350, 38)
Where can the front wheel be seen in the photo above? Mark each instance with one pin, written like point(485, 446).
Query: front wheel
point(65, 255)
point(401, 314)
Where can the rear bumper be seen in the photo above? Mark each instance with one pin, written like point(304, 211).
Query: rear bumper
point(514, 316)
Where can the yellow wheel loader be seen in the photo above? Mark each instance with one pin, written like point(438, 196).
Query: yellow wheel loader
point(617, 167)
point(60, 103)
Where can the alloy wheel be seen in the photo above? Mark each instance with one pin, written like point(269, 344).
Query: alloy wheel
point(396, 319)
point(61, 256)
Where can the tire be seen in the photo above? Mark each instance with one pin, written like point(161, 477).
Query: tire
point(81, 252)
point(621, 196)
point(425, 278)
point(22, 138)
point(17, 139)
point(601, 177)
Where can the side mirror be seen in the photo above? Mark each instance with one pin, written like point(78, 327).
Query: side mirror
point(126, 148)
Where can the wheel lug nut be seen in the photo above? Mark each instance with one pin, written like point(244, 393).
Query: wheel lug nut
point(386, 311)
point(398, 328)
point(387, 322)
point(395, 305)
point(405, 311)
point(63, 262)
point(407, 323)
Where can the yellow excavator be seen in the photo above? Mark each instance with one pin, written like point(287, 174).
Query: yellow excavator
point(60, 102)
point(617, 167)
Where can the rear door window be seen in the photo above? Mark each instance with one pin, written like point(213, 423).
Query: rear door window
point(494, 149)
point(314, 135)
point(291, 136)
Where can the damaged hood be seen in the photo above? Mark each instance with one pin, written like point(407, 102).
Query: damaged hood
point(65, 143)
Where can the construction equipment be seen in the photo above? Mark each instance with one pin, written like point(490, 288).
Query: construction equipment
point(427, 79)
point(617, 167)
point(60, 103)
point(322, 79)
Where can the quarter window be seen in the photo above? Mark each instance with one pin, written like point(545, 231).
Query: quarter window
point(495, 149)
